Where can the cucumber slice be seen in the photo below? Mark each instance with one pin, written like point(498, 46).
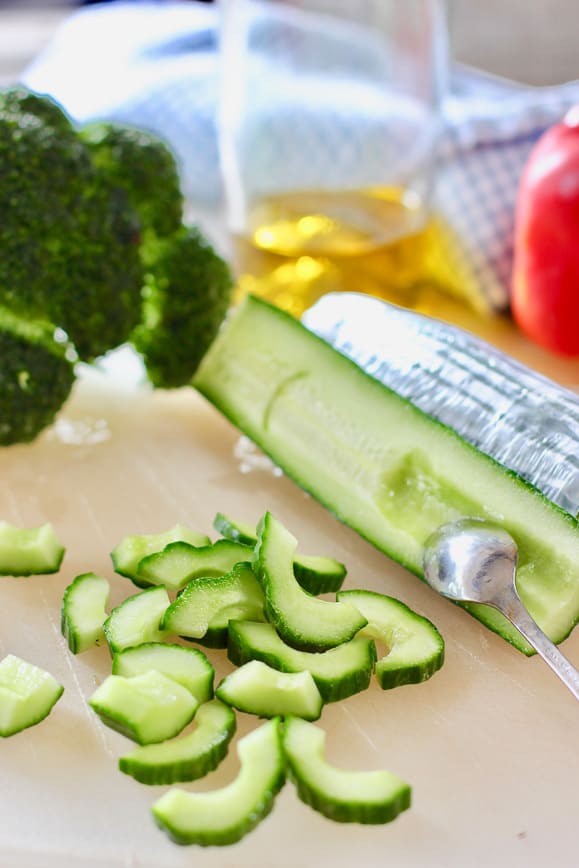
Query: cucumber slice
point(127, 555)
point(137, 620)
point(302, 621)
point(385, 468)
point(29, 551)
point(224, 816)
point(203, 609)
point(338, 673)
point(344, 796)
point(315, 573)
point(258, 689)
point(27, 694)
point(83, 611)
point(188, 757)
point(180, 562)
point(415, 647)
point(147, 708)
point(188, 666)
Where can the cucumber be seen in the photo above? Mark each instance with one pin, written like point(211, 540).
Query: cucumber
point(188, 666)
point(137, 620)
point(127, 555)
point(380, 464)
point(27, 694)
point(224, 816)
point(316, 574)
point(180, 562)
point(83, 611)
point(344, 796)
point(338, 673)
point(188, 757)
point(29, 551)
point(415, 647)
point(258, 689)
point(302, 621)
point(203, 609)
point(147, 708)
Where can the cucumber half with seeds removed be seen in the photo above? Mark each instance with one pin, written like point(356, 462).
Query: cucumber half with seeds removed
point(180, 562)
point(84, 611)
point(127, 555)
point(189, 666)
point(27, 694)
point(381, 465)
point(137, 619)
point(258, 689)
point(28, 551)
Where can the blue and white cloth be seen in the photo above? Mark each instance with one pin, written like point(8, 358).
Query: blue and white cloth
point(156, 65)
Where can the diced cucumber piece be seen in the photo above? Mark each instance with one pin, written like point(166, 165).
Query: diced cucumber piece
point(188, 757)
point(188, 666)
point(137, 620)
point(415, 647)
point(83, 611)
point(258, 689)
point(338, 673)
point(301, 620)
point(203, 609)
point(344, 796)
point(180, 562)
point(224, 816)
point(316, 574)
point(27, 694)
point(147, 708)
point(28, 551)
point(131, 550)
point(381, 465)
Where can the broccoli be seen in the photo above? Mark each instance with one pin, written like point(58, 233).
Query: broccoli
point(144, 167)
point(186, 295)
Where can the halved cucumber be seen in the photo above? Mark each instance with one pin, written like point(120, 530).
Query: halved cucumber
point(180, 562)
point(415, 647)
point(188, 666)
point(127, 555)
point(301, 620)
point(137, 620)
point(83, 611)
point(344, 796)
point(203, 609)
point(28, 551)
point(316, 574)
point(378, 463)
point(188, 757)
point(147, 708)
point(258, 689)
point(338, 673)
point(27, 694)
point(224, 816)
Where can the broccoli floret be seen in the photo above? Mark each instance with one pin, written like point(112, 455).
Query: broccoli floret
point(186, 295)
point(35, 378)
point(20, 100)
point(145, 167)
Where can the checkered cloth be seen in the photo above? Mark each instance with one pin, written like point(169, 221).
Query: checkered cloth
point(155, 65)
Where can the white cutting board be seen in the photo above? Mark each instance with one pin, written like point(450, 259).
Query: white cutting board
point(489, 745)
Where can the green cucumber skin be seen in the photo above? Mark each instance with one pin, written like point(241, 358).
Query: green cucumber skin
point(232, 553)
point(75, 639)
point(211, 385)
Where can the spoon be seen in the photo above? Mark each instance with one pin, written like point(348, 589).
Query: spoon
point(471, 560)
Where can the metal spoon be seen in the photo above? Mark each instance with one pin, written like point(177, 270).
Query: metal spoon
point(471, 560)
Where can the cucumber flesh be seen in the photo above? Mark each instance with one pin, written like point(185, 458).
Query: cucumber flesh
point(28, 551)
point(83, 611)
point(344, 796)
point(415, 647)
point(180, 562)
point(225, 816)
point(137, 620)
point(338, 673)
point(203, 609)
point(302, 621)
point(188, 666)
point(388, 470)
point(258, 689)
point(316, 574)
point(127, 555)
point(188, 757)
point(147, 708)
point(27, 694)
